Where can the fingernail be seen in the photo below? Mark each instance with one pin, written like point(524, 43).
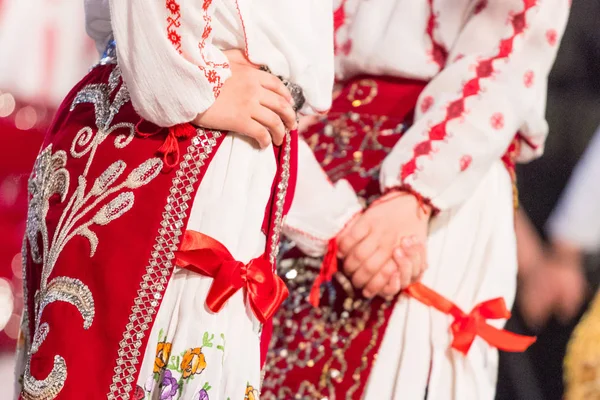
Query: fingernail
point(367, 294)
point(398, 253)
point(292, 102)
point(407, 241)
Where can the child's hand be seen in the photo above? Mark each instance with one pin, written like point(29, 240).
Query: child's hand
point(368, 245)
point(252, 102)
point(411, 260)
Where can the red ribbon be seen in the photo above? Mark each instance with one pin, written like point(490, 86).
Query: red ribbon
point(328, 268)
point(170, 147)
point(202, 254)
point(467, 326)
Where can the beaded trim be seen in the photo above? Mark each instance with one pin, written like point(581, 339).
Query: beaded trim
point(160, 265)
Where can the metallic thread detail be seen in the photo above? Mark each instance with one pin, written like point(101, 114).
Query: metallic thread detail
point(160, 264)
point(280, 195)
point(48, 388)
point(40, 336)
point(50, 177)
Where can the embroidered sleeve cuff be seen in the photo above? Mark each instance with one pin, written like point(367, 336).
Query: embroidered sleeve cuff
point(312, 227)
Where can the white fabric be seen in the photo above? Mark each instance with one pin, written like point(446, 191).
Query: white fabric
point(576, 218)
point(171, 85)
point(229, 206)
point(389, 37)
point(320, 209)
point(472, 258)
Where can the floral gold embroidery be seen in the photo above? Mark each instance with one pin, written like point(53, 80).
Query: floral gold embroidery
point(251, 393)
point(193, 362)
point(163, 352)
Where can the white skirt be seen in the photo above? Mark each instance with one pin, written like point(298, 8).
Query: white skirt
point(472, 258)
point(193, 353)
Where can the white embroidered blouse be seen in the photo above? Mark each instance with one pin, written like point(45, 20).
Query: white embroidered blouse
point(183, 40)
point(487, 63)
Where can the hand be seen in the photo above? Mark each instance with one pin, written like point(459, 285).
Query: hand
point(252, 102)
point(369, 243)
point(556, 287)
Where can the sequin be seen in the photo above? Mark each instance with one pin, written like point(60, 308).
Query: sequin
point(106, 197)
point(160, 264)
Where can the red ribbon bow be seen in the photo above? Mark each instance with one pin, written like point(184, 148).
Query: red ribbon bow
point(467, 326)
point(170, 147)
point(202, 254)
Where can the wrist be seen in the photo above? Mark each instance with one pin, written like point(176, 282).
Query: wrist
point(567, 253)
point(426, 208)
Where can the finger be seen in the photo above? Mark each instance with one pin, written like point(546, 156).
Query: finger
point(416, 253)
point(405, 267)
point(274, 84)
point(359, 254)
point(271, 121)
point(349, 238)
point(369, 268)
point(256, 131)
point(381, 279)
point(393, 287)
point(281, 107)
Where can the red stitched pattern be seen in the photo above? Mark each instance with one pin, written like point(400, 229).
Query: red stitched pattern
point(497, 121)
point(456, 108)
point(528, 78)
point(173, 23)
point(210, 68)
point(438, 53)
point(339, 18)
point(551, 37)
point(465, 162)
point(426, 104)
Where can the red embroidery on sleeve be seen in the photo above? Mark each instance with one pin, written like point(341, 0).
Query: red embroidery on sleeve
point(438, 53)
point(426, 104)
point(210, 68)
point(551, 37)
point(497, 121)
point(456, 108)
point(339, 18)
point(465, 161)
point(173, 23)
point(528, 78)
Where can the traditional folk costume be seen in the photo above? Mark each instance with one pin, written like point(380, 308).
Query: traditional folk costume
point(437, 98)
point(149, 276)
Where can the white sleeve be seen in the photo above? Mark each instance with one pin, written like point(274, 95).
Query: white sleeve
point(165, 51)
point(576, 218)
point(469, 113)
point(320, 209)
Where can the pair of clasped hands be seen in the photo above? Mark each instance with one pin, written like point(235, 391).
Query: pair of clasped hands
point(384, 248)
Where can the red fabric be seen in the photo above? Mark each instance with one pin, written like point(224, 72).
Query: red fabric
point(115, 272)
point(328, 269)
point(371, 128)
point(392, 106)
point(467, 326)
point(207, 256)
